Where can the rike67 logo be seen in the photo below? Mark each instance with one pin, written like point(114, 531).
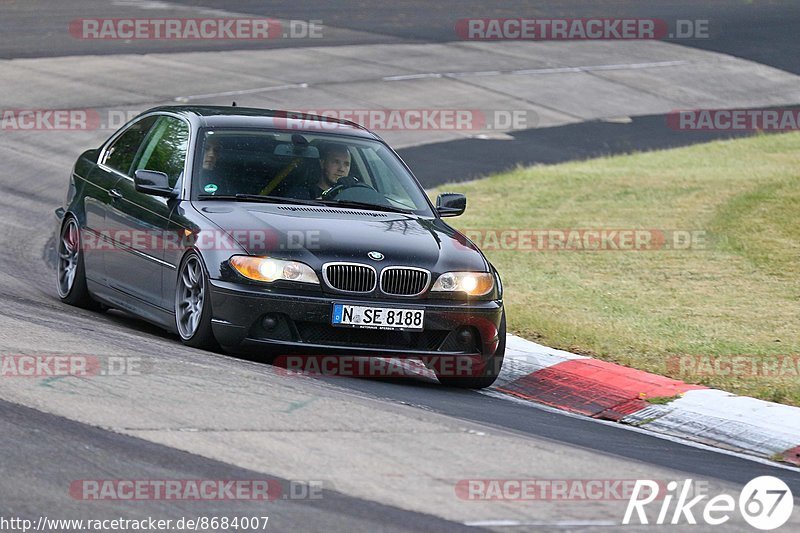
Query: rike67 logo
point(766, 503)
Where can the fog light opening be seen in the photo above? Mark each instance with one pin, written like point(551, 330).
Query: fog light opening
point(269, 322)
point(465, 337)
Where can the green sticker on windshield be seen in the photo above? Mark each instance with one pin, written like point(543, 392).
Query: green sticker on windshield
point(210, 188)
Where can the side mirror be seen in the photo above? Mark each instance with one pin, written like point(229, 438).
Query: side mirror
point(152, 182)
point(451, 204)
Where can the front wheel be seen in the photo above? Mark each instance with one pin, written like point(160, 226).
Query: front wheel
point(193, 304)
point(486, 372)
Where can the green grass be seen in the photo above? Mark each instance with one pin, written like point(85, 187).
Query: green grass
point(661, 400)
point(739, 294)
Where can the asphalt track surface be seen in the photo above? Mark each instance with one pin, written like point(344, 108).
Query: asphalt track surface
point(461, 160)
point(765, 32)
point(61, 439)
point(762, 33)
point(30, 490)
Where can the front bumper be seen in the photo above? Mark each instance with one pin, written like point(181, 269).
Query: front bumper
point(303, 324)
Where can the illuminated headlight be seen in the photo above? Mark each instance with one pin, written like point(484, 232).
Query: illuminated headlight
point(472, 283)
point(269, 269)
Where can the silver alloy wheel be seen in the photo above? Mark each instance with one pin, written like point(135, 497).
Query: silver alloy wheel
point(68, 254)
point(189, 297)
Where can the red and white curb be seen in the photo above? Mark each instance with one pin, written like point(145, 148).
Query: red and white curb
point(608, 391)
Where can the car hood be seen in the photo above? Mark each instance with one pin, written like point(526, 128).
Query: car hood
point(317, 235)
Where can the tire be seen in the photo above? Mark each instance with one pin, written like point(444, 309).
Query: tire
point(193, 304)
point(489, 369)
point(70, 269)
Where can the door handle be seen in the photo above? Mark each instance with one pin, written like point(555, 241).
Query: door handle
point(115, 194)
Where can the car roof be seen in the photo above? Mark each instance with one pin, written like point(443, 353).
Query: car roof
point(251, 117)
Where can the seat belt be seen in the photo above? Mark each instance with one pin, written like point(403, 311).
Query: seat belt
point(280, 177)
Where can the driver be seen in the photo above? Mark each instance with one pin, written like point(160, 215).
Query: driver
point(334, 164)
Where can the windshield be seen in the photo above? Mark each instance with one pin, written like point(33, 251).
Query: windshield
point(306, 168)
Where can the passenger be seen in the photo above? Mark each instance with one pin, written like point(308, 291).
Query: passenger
point(209, 175)
point(211, 153)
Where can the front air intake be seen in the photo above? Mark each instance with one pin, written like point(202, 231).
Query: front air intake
point(404, 281)
point(350, 277)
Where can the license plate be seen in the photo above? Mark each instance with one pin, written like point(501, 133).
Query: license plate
point(357, 316)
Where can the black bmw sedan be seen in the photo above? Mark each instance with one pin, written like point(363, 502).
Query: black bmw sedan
point(278, 232)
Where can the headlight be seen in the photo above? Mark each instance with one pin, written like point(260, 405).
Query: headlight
point(472, 283)
point(269, 269)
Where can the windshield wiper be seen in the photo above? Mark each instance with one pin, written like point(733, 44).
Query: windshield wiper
point(258, 198)
point(365, 205)
point(283, 200)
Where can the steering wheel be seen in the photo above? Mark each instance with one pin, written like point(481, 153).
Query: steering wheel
point(345, 183)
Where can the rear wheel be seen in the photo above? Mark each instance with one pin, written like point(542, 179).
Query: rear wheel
point(193, 304)
point(70, 270)
point(487, 370)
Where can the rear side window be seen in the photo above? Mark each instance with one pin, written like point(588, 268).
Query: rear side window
point(122, 152)
point(165, 149)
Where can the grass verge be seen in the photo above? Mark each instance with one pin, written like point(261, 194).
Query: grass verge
point(714, 297)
